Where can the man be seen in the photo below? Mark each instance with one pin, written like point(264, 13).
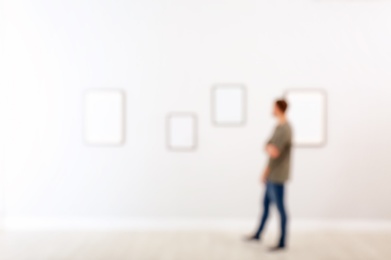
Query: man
point(276, 173)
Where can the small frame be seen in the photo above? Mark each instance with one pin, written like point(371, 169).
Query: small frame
point(104, 117)
point(228, 105)
point(307, 113)
point(181, 131)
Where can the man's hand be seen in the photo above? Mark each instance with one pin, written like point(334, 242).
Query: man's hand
point(265, 176)
point(272, 151)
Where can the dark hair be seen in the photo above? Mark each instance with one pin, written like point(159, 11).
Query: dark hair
point(282, 105)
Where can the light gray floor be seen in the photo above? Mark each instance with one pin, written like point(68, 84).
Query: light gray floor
point(189, 246)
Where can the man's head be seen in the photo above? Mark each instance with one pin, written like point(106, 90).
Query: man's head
point(280, 107)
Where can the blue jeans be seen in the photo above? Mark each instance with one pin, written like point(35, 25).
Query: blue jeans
point(274, 193)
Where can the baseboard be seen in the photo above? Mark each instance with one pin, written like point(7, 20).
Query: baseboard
point(11, 223)
point(234, 225)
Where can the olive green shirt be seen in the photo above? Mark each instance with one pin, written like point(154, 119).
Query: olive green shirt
point(279, 167)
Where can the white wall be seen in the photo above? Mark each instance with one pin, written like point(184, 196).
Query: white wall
point(166, 55)
point(2, 113)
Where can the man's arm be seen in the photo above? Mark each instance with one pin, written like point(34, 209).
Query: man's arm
point(265, 175)
point(277, 144)
point(272, 151)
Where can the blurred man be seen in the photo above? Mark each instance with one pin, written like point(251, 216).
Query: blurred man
point(276, 173)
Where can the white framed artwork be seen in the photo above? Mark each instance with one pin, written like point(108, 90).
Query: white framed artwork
point(181, 130)
point(307, 113)
point(228, 105)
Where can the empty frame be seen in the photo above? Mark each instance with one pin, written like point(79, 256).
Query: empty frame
point(228, 105)
point(104, 117)
point(181, 131)
point(308, 116)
